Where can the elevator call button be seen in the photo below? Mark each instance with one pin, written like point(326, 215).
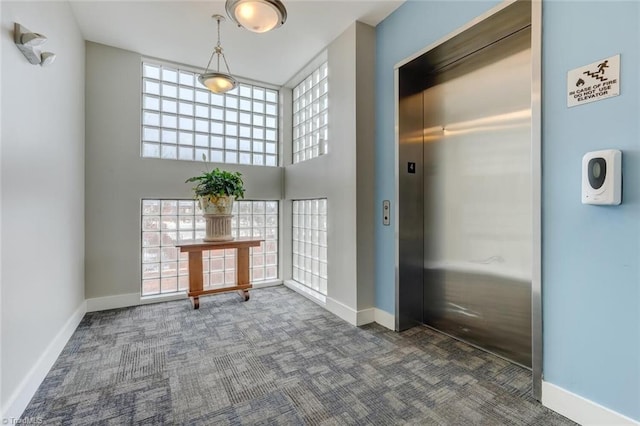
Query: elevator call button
point(411, 168)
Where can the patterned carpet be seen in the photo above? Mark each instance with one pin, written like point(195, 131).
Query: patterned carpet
point(276, 359)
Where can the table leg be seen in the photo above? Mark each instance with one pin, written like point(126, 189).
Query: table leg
point(242, 270)
point(244, 294)
point(195, 275)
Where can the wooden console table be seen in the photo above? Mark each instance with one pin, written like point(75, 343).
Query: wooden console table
point(195, 249)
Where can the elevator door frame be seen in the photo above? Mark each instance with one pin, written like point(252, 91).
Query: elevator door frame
point(536, 174)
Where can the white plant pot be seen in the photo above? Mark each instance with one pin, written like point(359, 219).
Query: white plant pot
point(216, 205)
point(218, 227)
point(217, 213)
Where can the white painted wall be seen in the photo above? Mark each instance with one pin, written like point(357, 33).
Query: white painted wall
point(345, 174)
point(42, 197)
point(117, 178)
point(365, 162)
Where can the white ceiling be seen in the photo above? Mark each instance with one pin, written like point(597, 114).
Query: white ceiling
point(183, 32)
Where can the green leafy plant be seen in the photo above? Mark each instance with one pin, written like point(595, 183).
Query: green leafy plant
point(218, 183)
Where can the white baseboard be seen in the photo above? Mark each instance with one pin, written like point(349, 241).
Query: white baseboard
point(357, 318)
point(133, 299)
point(160, 298)
point(365, 316)
point(385, 319)
point(29, 385)
point(267, 284)
point(113, 302)
point(350, 315)
point(337, 308)
point(343, 311)
point(310, 294)
point(580, 409)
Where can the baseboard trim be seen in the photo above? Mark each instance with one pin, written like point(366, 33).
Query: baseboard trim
point(339, 309)
point(365, 316)
point(29, 385)
point(134, 299)
point(580, 409)
point(385, 319)
point(358, 318)
point(310, 294)
point(343, 311)
point(267, 284)
point(350, 315)
point(118, 301)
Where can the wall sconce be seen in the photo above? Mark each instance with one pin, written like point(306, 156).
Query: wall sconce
point(27, 42)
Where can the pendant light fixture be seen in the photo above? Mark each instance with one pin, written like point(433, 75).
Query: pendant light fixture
point(216, 81)
point(258, 16)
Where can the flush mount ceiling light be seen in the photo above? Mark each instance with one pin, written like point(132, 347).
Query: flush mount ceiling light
point(258, 16)
point(28, 42)
point(216, 81)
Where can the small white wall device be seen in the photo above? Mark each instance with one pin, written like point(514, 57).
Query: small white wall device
point(602, 177)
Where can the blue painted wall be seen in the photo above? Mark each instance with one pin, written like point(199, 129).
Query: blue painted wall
point(591, 254)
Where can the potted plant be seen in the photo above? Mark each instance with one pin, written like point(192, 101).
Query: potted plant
point(216, 191)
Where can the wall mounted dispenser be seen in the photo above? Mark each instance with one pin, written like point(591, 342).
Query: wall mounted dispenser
point(602, 177)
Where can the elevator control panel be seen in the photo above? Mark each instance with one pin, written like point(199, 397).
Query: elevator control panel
point(386, 212)
point(602, 177)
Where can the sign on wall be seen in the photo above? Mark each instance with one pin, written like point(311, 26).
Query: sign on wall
point(594, 82)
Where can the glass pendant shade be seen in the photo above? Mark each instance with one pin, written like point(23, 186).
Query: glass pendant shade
point(217, 82)
point(258, 16)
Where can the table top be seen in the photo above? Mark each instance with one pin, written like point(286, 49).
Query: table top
point(199, 245)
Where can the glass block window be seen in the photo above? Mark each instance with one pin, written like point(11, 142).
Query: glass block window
point(310, 244)
point(182, 120)
point(165, 222)
point(310, 116)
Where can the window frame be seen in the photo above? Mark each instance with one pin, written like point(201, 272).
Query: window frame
point(243, 226)
point(219, 145)
point(304, 242)
point(310, 114)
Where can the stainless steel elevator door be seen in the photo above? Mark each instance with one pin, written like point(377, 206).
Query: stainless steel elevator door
point(477, 199)
point(410, 192)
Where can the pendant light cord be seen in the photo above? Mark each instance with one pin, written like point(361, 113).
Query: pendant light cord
point(218, 46)
point(218, 50)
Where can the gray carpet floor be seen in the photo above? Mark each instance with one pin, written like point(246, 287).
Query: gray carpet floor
point(276, 359)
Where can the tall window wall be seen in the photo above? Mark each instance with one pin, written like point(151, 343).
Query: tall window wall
point(311, 116)
point(182, 120)
point(309, 245)
point(167, 222)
